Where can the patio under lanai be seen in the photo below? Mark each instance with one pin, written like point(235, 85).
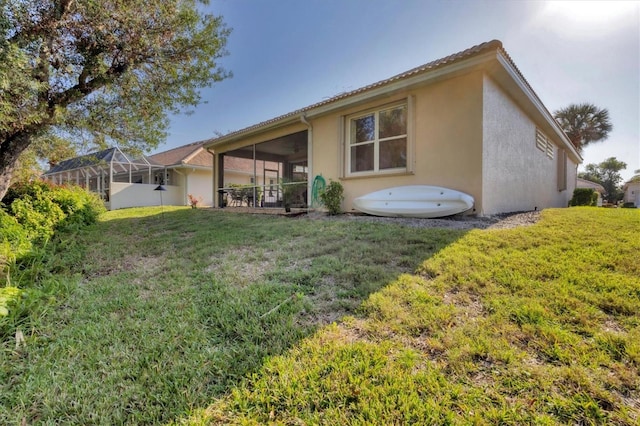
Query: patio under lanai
point(266, 174)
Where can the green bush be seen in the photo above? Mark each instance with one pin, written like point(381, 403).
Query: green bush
point(80, 206)
point(39, 216)
point(43, 208)
point(332, 197)
point(14, 239)
point(33, 213)
point(8, 295)
point(629, 205)
point(584, 197)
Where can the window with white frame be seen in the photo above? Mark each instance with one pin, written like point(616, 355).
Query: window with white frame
point(377, 140)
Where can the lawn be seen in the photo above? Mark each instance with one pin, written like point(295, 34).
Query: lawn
point(199, 316)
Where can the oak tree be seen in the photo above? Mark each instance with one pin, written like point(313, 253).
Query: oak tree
point(101, 72)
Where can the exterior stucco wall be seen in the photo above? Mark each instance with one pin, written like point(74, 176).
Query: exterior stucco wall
point(234, 177)
point(125, 195)
point(465, 133)
point(200, 185)
point(445, 137)
point(517, 176)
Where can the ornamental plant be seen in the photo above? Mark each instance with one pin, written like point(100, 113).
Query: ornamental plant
point(332, 197)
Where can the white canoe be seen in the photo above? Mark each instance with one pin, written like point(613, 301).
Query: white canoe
point(414, 201)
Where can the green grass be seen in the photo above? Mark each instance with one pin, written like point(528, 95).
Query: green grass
point(532, 325)
point(162, 312)
point(200, 316)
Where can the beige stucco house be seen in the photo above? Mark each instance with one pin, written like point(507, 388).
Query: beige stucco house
point(188, 171)
point(469, 122)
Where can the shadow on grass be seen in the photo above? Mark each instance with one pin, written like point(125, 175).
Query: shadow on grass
point(176, 306)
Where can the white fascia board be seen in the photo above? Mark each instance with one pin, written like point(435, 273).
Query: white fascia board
point(537, 103)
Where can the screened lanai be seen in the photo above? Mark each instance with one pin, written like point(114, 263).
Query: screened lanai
point(266, 174)
point(101, 172)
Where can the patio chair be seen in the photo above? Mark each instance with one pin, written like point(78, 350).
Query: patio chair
point(237, 197)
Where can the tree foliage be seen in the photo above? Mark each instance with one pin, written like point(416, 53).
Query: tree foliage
point(101, 72)
point(584, 123)
point(607, 174)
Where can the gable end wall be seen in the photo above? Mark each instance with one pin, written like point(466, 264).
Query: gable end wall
point(517, 176)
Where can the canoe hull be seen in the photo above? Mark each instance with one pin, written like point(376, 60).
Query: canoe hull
point(421, 201)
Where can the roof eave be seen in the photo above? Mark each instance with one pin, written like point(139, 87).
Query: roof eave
point(508, 65)
point(270, 125)
point(494, 52)
point(441, 71)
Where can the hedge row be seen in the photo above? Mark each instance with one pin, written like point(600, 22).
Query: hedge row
point(584, 197)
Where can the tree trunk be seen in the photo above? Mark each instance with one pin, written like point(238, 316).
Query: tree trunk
point(10, 150)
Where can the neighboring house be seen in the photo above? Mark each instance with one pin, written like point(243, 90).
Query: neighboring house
point(189, 168)
point(631, 190)
point(469, 122)
point(123, 182)
point(583, 183)
point(119, 180)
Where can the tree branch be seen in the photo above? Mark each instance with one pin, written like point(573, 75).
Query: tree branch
point(49, 21)
point(83, 87)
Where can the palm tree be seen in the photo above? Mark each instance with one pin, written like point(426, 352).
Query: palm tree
point(584, 123)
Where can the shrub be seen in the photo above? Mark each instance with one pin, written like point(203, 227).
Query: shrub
point(584, 197)
point(629, 205)
point(39, 216)
point(8, 295)
point(194, 201)
point(36, 210)
point(23, 189)
point(14, 239)
point(291, 192)
point(34, 213)
point(80, 206)
point(332, 197)
point(42, 208)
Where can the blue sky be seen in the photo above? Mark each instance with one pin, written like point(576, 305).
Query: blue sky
point(288, 54)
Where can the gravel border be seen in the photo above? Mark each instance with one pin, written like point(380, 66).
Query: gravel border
point(501, 221)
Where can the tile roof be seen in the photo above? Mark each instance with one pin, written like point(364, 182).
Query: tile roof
point(493, 45)
point(187, 154)
point(202, 158)
point(585, 183)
